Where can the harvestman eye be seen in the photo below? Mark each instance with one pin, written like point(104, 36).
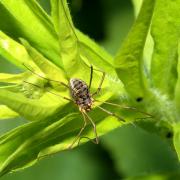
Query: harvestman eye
point(84, 99)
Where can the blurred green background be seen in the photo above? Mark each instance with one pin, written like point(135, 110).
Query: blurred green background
point(127, 151)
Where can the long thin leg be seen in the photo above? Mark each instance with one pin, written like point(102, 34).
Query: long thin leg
point(85, 137)
point(91, 76)
point(94, 127)
point(125, 107)
point(45, 77)
point(100, 84)
point(111, 113)
point(80, 132)
point(49, 91)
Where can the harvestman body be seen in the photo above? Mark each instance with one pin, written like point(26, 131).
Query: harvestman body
point(81, 96)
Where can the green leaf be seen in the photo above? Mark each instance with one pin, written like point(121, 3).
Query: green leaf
point(177, 90)
point(176, 138)
point(35, 26)
point(12, 78)
point(95, 55)
point(137, 5)
point(31, 109)
point(162, 129)
point(13, 51)
point(50, 70)
point(23, 146)
point(161, 107)
point(62, 19)
point(6, 113)
point(149, 44)
point(129, 59)
point(165, 32)
point(68, 40)
point(75, 47)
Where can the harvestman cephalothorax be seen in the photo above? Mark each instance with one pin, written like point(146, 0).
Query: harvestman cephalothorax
point(84, 99)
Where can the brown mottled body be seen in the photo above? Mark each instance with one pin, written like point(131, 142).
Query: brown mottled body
point(80, 94)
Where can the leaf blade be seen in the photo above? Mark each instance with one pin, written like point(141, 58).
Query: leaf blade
point(12, 78)
point(31, 109)
point(164, 60)
point(7, 113)
point(44, 139)
point(128, 61)
point(40, 34)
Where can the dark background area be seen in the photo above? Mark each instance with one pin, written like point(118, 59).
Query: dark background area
point(126, 151)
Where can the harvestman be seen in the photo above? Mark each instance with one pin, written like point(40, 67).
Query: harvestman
point(81, 96)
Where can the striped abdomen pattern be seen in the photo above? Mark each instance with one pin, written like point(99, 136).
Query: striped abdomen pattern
point(80, 94)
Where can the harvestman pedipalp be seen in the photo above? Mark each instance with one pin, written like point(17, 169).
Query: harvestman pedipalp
point(81, 96)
